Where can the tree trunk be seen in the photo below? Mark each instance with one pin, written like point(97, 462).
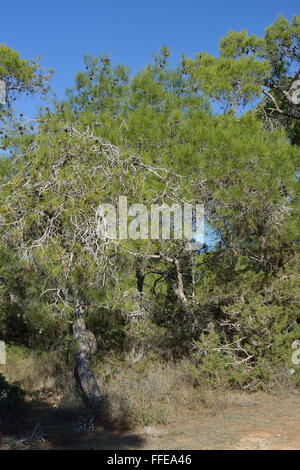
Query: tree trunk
point(139, 279)
point(178, 286)
point(85, 346)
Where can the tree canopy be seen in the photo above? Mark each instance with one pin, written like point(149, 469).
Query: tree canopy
point(221, 131)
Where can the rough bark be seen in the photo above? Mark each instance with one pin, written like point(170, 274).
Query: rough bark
point(85, 346)
point(179, 289)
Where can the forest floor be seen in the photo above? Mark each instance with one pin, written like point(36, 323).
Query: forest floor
point(247, 421)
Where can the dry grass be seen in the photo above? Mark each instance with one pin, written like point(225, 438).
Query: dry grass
point(148, 394)
point(145, 393)
point(41, 375)
point(158, 400)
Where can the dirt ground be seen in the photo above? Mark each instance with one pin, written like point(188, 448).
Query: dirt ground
point(256, 421)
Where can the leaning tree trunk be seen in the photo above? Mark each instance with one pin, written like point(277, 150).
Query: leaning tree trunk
point(85, 346)
point(178, 285)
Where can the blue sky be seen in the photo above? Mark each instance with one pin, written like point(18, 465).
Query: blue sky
point(130, 31)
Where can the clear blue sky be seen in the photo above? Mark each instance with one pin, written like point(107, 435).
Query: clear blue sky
point(130, 31)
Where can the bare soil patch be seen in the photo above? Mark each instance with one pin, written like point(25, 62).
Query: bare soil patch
point(237, 421)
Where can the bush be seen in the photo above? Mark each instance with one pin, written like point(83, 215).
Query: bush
point(12, 396)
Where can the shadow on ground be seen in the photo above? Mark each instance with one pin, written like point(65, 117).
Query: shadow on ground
point(37, 425)
point(240, 421)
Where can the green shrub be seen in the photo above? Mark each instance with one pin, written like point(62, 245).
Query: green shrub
point(11, 395)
